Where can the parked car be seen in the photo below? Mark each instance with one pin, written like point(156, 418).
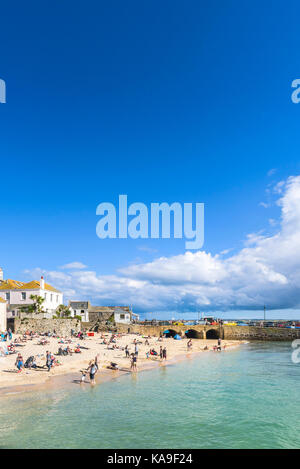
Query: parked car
point(269, 324)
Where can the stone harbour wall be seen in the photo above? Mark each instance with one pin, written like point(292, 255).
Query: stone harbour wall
point(224, 332)
point(61, 326)
point(260, 333)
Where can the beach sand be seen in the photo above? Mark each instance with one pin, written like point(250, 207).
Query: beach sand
point(70, 366)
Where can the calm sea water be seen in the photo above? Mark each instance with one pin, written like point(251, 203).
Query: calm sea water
point(245, 398)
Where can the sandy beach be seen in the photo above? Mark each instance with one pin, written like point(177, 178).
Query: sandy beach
point(92, 347)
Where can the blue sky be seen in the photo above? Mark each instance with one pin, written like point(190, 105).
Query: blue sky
point(163, 101)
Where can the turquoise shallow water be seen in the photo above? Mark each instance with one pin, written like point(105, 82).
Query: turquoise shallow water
point(245, 398)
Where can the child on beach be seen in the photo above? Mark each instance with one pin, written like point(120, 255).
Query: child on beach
point(133, 362)
point(19, 363)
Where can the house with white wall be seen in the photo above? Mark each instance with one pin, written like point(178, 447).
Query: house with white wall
point(89, 313)
point(17, 295)
point(80, 308)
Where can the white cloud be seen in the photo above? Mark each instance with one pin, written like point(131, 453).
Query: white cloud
point(73, 265)
point(265, 271)
point(264, 204)
point(271, 172)
point(147, 249)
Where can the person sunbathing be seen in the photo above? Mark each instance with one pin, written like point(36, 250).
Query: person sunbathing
point(113, 366)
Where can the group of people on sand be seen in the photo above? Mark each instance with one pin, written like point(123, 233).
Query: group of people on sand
point(111, 341)
point(218, 348)
point(30, 363)
point(68, 351)
point(50, 360)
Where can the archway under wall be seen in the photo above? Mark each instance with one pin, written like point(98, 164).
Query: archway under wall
point(170, 333)
point(193, 334)
point(212, 334)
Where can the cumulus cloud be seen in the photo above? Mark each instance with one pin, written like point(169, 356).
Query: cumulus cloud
point(265, 271)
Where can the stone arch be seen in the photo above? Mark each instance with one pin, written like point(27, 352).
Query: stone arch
point(212, 334)
point(193, 334)
point(171, 333)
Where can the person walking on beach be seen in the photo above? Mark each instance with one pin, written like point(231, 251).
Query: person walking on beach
point(164, 353)
point(219, 344)
point(126, 352)
point(189, 344)
point(93, 371)
point(136, 349)
point(48, 360)
point(161, 353)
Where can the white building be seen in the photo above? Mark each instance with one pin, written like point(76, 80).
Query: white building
point(17, 295)
point(89, 313)
point(124, 316)
point(3, 313)
point(80, 308)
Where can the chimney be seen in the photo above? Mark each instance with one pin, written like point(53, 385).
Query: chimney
point(42, 283)
point(1, 274)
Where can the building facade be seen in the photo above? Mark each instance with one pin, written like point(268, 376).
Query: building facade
point(80, 308)
point(89, 313)
point(17, 295)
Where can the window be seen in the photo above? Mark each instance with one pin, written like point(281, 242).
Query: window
point(45, 296)
point(82, 311)
point(7, 296)
point(23, 294)
point(51, 297)
point(122, 316)
point(56, 298)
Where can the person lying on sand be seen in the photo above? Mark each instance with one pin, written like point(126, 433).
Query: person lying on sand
point(112, 366)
